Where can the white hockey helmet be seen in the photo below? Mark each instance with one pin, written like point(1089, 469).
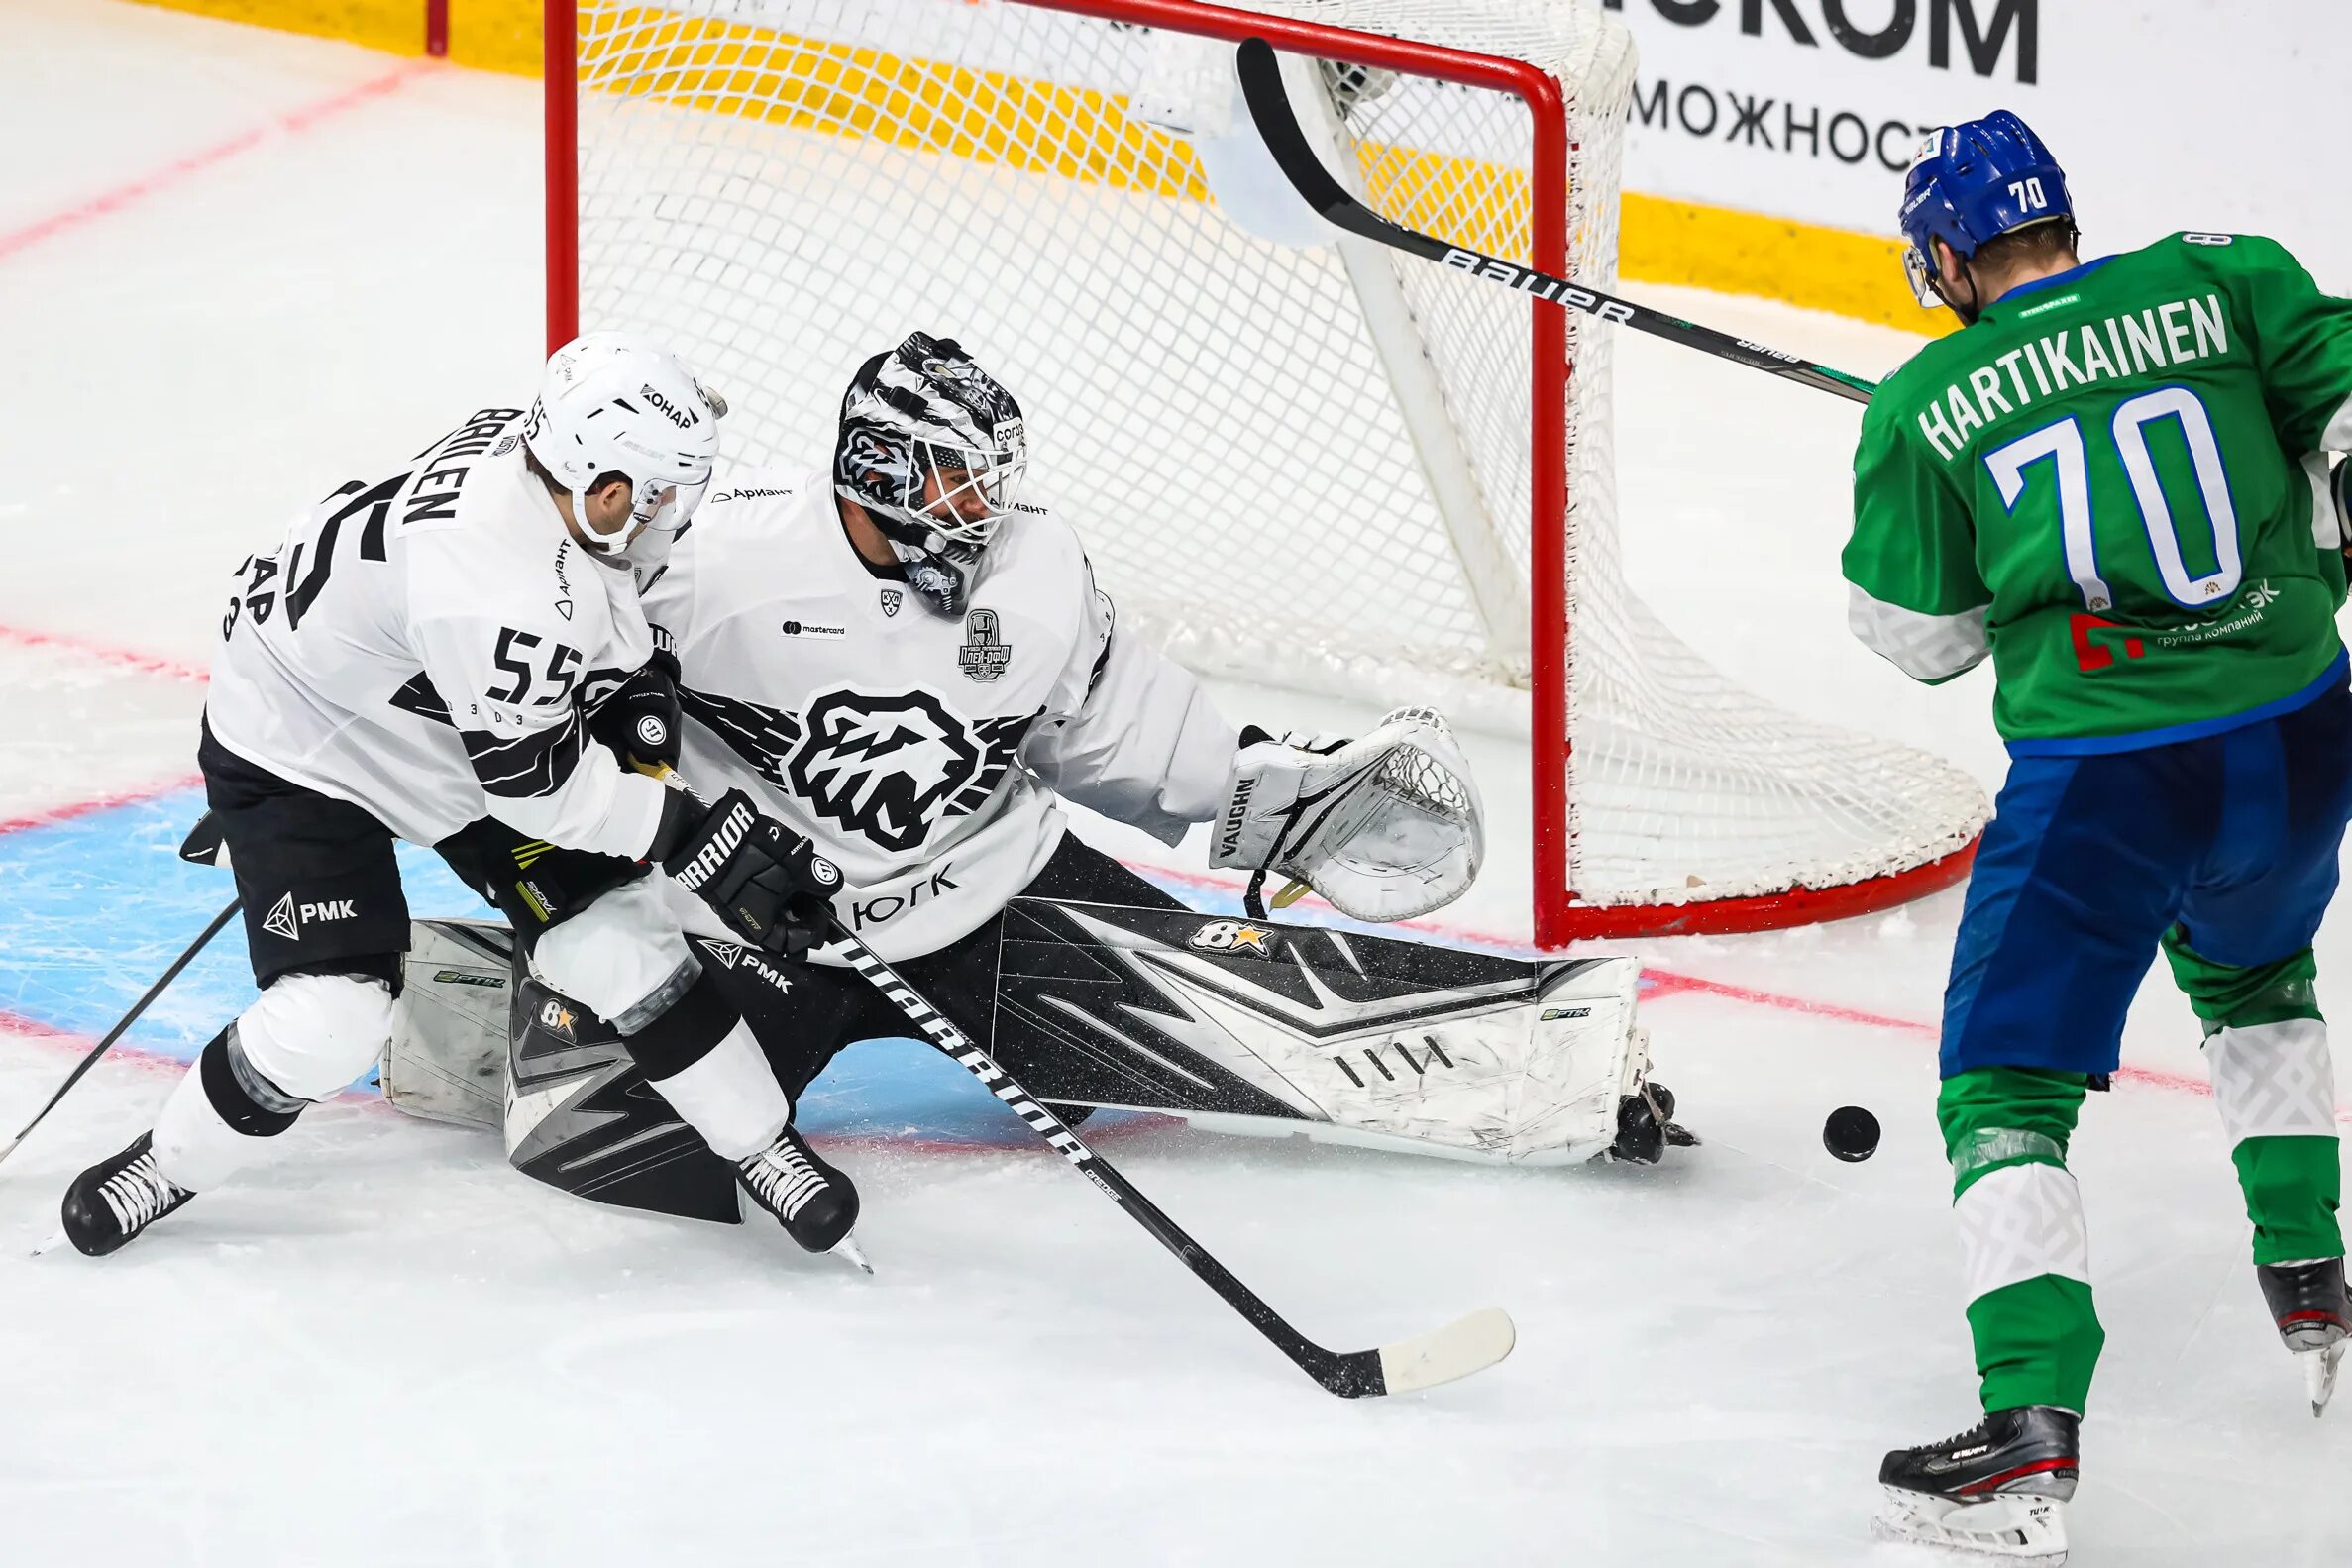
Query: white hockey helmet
point(616, 402)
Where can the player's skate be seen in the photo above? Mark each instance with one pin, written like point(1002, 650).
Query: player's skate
point(2308, 1301)
point(815, 1203)
point(112, 1202)
point(1995, 1488)
point(1645, 1124)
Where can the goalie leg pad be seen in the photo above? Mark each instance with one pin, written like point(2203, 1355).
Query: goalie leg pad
point(447, 1060)
point(1248, 1026)
point(582, 1119)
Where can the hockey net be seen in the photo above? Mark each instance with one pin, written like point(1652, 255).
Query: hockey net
point(1323, 465)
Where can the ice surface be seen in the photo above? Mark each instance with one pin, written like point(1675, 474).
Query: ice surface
point(389, 1349)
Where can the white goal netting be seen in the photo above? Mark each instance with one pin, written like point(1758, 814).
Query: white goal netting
point(1298, 465)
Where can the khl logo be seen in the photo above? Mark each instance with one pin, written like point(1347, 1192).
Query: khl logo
point(286, 917)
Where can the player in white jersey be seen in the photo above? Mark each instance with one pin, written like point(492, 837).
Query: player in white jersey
point(895, 655)
point(431, 656)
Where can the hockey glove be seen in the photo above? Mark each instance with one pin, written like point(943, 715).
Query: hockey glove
point(767, 882)
point(640, 719)
point(1385, 827)
point(1319, 742)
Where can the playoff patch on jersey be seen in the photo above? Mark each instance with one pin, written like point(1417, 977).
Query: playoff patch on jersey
point(984, 652)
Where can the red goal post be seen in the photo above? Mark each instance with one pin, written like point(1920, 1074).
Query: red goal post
point(1845, 883)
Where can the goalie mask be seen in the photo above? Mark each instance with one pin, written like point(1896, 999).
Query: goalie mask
point(933, 449)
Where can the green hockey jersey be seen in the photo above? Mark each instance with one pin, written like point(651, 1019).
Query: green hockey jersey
point(2114, 482)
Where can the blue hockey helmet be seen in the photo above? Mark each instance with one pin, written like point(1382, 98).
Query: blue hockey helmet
point(1972, 181)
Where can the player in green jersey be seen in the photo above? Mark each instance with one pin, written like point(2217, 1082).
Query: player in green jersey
point(2113, 480)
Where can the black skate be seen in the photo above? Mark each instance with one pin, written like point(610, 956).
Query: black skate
point(2308, 1301)
point(1994, 1488)
point(112, 1202)
point(1645, 1125)
point(815, 1203)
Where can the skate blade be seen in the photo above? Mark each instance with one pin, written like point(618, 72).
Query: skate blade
point(2319, 1374)
point(59, 1240)
point(847, 1247)
point(2018, 1526)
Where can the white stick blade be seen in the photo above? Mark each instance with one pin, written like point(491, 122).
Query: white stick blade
point(1445, 1354)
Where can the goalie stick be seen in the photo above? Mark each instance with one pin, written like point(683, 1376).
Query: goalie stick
point(129, 1018)
point(1270, 107)
point(1467, 1346)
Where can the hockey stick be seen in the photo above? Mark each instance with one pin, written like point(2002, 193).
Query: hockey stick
point(1442, 1355)
point(129, 1018)
point(1269, 106)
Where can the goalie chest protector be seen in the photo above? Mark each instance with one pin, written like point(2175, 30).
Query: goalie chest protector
point(886, 731)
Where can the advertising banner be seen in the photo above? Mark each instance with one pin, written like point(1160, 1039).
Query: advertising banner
point(2167, 114)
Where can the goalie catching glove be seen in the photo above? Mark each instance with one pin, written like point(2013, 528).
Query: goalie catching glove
point(1385, 828)
point(767, 882)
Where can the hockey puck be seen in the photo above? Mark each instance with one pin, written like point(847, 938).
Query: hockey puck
point(1851, 1134)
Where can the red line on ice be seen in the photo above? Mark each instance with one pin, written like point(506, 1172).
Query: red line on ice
point(1667, 983)
point(104, 652)
point(292, 122)
point(129, 659)
point(105, 802)
point(66, 1040)
point(68, 1043)
point(1658, 982)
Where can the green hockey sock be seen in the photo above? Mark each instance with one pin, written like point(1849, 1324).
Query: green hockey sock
point(2023, 1240)
point(2037, 1343)
point(2266, 1046)
point(2294, 1187)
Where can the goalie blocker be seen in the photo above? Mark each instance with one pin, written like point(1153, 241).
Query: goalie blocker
point(1097, 991)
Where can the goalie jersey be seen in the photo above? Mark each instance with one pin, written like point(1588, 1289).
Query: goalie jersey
point(419, 646)
point(923, 754)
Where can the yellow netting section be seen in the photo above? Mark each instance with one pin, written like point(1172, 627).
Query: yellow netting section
point(717, 66)
point(809, 84)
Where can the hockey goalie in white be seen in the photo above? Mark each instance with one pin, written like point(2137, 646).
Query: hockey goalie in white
point(899, 657)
